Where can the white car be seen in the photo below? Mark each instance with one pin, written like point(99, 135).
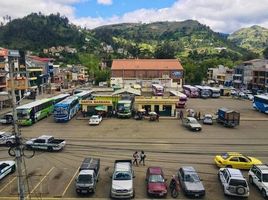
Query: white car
point(95, 120)
point(208, 119)
point(7, 139)
point(7, 167)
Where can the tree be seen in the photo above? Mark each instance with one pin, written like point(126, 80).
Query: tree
point(91, 62)
point(165, 51)
point(265, 53)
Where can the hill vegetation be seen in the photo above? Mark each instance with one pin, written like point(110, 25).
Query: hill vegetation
point(194, 44)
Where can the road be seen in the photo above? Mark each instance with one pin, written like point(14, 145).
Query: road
point(166, 144)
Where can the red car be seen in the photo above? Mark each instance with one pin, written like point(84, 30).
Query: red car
point(156, 182)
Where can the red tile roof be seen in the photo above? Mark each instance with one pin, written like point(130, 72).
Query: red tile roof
point(146, 64)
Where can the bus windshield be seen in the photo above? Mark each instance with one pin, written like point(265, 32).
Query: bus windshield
point(22, 113)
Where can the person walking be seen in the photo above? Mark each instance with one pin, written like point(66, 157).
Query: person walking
point(135, 158)
point(142, 158)
point(181, 114)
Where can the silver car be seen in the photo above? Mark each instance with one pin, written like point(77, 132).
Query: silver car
point(208, 119)
point(190, 182)
point(192, 124)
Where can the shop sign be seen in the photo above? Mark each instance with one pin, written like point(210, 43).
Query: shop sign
point(96, 102)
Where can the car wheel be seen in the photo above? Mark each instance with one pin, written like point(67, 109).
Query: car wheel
point(13, 169)
point(250, 180)
point(8, 143)
point(263, 193)
point(50, 149)
point(240, 190)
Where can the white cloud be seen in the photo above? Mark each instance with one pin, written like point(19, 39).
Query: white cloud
point(105, 2)
point(223, 16)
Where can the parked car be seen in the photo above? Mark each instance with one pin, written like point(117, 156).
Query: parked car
point(208, 119)
point(235, 160)
point(156, 182)
point(88, 176)
point(7, 167)
point(190, 182)
point(122, 180)
point(46, 142)
point(258, 176)
point(7, 118)
point(233, 182)
point(7, 139)
point(95, 120)
point(192, 124)
point(249, 97)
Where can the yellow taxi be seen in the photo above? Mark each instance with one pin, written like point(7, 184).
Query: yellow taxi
point(235, 160)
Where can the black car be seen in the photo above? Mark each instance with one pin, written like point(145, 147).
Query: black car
point(190, 182)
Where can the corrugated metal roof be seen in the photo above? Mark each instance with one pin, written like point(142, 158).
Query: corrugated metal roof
point(146, 64)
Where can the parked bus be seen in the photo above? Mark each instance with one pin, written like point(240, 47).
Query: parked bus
point(158, 90)
point(124, 107)
point(34, 111)
point(59, 98)
point(204, 91)
point(215, 92)
point(83, 95)
point(190, 91)
point(260, 103)
point(66, 109)
point(182, 98)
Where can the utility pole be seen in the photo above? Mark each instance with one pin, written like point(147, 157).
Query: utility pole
point(13, 54)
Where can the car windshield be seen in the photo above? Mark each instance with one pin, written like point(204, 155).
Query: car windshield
point(156, 179)
point(84, 178)
point(193, 121)
point(191, 178)
point(122, 176)
point(265, 177)
point(237, 182)
point(94, 117)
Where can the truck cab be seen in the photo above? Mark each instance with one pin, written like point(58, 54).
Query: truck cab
point(88, 176)
point(122, 180)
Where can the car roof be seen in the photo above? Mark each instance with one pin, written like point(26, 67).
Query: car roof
point(263, 167)
point(234, 154)
point(235, 172)
point(155, 170)
point(188, 169)
point(95, 116)
point(207, 115)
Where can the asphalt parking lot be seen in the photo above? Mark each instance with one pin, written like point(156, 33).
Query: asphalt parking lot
point(166, 143)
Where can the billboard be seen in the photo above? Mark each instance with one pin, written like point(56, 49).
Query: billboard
point(177, 74)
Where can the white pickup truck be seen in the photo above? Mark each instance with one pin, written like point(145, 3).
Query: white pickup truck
point(122, 180)
point(46, 142)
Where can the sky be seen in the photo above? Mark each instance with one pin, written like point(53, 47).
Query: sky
point(224, 16)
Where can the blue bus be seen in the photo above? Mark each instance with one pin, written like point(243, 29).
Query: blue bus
point(66, 109)
point(260, 103)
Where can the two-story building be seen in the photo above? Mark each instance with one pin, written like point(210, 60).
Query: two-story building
point(243, 73)
point(127, 72)
point(260, 78)
point(220, 75)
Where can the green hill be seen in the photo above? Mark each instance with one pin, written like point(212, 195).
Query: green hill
point(36, 31)
point(254, 38)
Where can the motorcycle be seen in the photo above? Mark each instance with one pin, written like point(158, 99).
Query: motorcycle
point(174, 187)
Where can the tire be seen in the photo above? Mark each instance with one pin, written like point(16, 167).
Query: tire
point(50, 149)
point(133, 196)
point(250, 180)
point(263, 193)
point(174, 193)
point(240, 190)
point(9, 143)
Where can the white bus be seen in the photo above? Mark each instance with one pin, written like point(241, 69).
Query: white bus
point(158, 90)
point(215, 92)
point(190, 91)
point(204, 91)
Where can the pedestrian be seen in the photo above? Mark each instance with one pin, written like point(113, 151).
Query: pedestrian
point(157, 117)
point(199, 115)
point(135, 158)
point(181, 114)
point(142, 158)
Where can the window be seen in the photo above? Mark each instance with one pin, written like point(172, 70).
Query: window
point(225, 174)
point(242, 159)
point(258, 174)
point(234, 159)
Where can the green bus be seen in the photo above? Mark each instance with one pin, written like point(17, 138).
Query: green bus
point(32, 112)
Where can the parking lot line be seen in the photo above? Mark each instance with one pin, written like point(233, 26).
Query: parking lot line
point(2, 189)
point(40, 181)
point(70, 182)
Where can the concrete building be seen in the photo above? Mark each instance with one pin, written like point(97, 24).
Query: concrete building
point(220, 74)
point(243, 73)
point(260, 78)
point(145, 72)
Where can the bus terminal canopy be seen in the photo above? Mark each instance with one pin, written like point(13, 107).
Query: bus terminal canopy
point(128, 91)
point(101, 108)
